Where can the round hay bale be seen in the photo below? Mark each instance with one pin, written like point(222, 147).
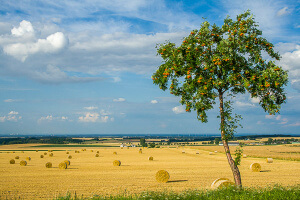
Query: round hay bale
point(127, 147)
point(244, 156)
point(255, 167)
point(140, 151)
point(92, 150)
point(97, 152)
point(197, 152)
point(223, 184)
point(51, 155)
point(36, 150)
point(211, 153)
point(12, 161)
point(22, 151)
point(97, 155)
point(115, 153)
point(183, 152)
point(150, 158)
point(49, 150)
point(28, 158)
point(14, 152)
point(269, 160)
point(23, 163)
point(217, 180)
point(67, 162)
point(41, 156)
point(162, 176)
point(17, 157)
point(67, 152)
point(62, 165)
point(45, 153)
point(70, 157)
point(117, 163)
point(121, 147)
point(48, 165)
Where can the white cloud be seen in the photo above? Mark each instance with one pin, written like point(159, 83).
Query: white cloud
point(119, 100)
point(50, 118)
point(47, 118)
point(294, 124)
point(283, 11)
point(91, 108)
point(154, 101)
point(244, 104)
point(178, 109)
point(284, 121)
point(11, 116)
point(269, 116)
point(53, 43)
point(254, 100)
point(25, 29)
point(95, 117)
point(11, 100)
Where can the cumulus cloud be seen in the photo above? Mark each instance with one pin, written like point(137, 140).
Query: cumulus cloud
point(47, 118)
point(254, 100)
point(244, 104)
point(91, 108)
point(119, 100)
point(178, 109)
point(154, 101)
point(11, 116)
point(50, 118)
point(94, 117)
point(53, 43)
point(25, 29)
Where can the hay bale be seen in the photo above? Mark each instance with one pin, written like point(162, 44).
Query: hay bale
point(217, 180)
point(115, 153)
point(97, 155)
point(269, 160)
point(49, 150)
point(67, 162)
point(150, 158)
point(51, 155)
point(97, 152)
point(17, 157)
point(223, 184)
point(162, 176)
point(117, 163)
point(140, 151)
point(127, 147)
point(62, 165)
point(48, 165)
point(183, 152)
point(41, 156)
point(67, 152)
point(197, 152)
point(244, 156)
point(45, 153)
point(255, 167)
point(12, 161)
point(23, 163)
point(70, 157)
point(92, 150)
point(28, 158)
point(211, 153)
point(36, 150)
point(216, 151)
point(22, 151)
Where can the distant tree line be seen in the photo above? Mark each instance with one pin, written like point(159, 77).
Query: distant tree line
point(40, 140)
point(280, 141)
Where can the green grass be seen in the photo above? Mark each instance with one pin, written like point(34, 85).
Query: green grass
point(73, 145)
point(275, 192)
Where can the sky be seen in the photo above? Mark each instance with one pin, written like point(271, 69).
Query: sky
point(84, 67)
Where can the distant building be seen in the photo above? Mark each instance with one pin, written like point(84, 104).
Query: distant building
point(123, 145)
point(232, 143)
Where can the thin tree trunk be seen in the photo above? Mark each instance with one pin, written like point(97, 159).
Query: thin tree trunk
point(234, 168)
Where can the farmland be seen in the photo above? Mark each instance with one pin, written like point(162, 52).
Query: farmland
point(89, 175)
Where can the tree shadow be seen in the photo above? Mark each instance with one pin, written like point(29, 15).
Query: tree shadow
point(176, 181)
point(265, 171)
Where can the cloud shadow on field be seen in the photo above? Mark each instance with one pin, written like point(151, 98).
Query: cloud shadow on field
point(177, 181)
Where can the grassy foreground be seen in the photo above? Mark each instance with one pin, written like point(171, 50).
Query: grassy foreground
point(276, 192)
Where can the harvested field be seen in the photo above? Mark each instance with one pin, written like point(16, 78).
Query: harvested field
point(88, 175)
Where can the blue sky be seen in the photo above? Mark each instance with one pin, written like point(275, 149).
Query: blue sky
point(84, 67)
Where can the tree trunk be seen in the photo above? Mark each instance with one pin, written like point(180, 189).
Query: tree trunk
point(234, 168)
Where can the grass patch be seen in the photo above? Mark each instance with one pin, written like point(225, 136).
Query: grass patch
point(73, 145)
point(232, 193)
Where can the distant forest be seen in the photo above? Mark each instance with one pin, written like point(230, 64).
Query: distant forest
point(40, 140)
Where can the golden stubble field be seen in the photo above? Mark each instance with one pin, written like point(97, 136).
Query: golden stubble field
point(89, 175)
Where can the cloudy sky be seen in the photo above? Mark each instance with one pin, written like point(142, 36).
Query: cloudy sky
point(84, 67)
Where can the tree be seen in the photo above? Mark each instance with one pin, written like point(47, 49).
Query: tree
point(215, 64)
point(217, 141)
point(143, 142)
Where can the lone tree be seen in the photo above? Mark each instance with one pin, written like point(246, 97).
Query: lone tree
point(216, 63)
